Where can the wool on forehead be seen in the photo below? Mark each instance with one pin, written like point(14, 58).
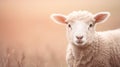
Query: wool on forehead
point(79, 15)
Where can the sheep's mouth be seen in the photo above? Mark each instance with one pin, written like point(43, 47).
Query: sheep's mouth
point(79, 41)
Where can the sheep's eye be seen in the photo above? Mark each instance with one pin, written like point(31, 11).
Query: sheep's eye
point(90, 25)
point(69, 25)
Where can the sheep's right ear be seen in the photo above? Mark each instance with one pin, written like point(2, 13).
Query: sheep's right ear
point(58, 18)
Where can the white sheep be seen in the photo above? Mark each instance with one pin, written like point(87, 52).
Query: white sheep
point(88, 48)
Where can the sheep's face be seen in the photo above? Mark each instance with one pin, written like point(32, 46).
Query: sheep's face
point(80, 25)
point(80, 32)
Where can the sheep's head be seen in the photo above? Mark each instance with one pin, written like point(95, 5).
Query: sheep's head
point(80, 25)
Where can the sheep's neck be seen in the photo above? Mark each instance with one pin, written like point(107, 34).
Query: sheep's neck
point(84, 55)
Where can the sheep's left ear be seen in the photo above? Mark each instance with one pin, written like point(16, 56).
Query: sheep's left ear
point(101, 16)
point(59, 18)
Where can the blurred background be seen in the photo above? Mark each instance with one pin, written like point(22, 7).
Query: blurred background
point(29, 38)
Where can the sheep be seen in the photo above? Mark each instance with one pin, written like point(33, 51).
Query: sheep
point(86, 47)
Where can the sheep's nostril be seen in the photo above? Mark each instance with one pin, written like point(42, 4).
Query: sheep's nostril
point(79, 37)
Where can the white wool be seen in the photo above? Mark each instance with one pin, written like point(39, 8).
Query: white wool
point(103, 52)
point(79, 15)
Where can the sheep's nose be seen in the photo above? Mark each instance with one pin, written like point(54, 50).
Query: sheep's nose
point(79, 37)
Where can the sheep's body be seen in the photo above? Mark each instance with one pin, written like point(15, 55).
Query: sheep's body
point(104, 51)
